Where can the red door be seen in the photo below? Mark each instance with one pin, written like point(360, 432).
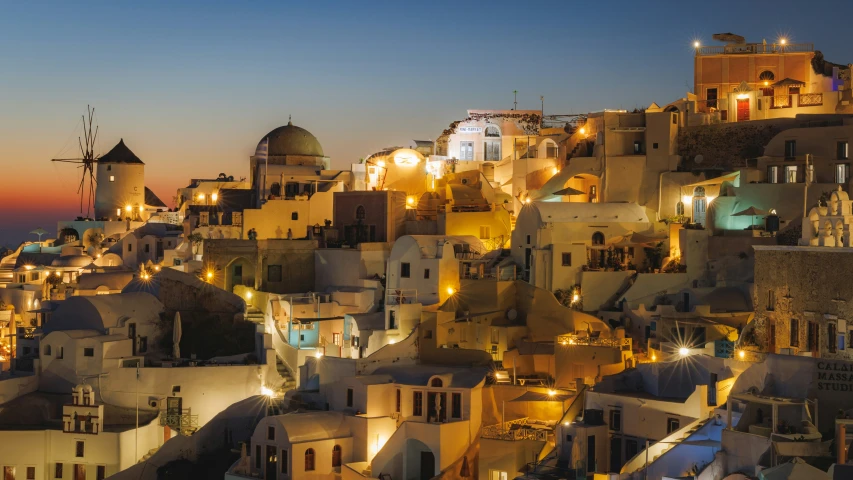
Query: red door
point(743, 110)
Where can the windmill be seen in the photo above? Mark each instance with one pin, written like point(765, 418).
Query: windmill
point(86, 161)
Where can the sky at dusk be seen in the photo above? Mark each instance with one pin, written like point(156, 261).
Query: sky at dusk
point(192, 87)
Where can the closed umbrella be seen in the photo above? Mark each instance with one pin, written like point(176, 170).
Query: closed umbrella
point(176, 336)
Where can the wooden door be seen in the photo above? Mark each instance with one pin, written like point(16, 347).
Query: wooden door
point(79, 472)
point(771, 341)
point(742, 109)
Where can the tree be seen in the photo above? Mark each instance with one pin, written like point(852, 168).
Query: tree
point(196, 240)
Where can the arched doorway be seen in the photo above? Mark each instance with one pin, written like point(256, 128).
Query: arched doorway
point(239, 271)
point(699, 205)
point(420, 461)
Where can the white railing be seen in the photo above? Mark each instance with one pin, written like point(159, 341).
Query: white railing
point(515, 430)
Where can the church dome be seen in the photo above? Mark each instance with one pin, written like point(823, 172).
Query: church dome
point(293, 140)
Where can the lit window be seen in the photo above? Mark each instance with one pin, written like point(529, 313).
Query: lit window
point(112, 178)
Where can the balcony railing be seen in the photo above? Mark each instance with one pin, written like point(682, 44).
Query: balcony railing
point(618, 343)
point(515, 430)
point(780, 101)
point(754, 49)
point(810, 99)
point(184, 422)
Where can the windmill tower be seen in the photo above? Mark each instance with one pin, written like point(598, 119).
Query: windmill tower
point(86, 162)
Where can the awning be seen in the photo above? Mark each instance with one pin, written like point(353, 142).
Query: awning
point(789, 82)
point(542, 397)
point(750, 212)
point(717, 180)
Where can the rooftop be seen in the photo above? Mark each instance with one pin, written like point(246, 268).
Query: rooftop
point(43, 411)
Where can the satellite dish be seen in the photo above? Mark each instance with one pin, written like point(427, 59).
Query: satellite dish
point(699, 159)
point(511, 314)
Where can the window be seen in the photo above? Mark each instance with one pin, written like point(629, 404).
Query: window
point(399, 403)
point(284, 461)
point(47, 350)
point(294, 216)
point(795, 332)
point(766, 76)
point(8, 473)
point(679, 208)
point(830, 337)
point(257, 456)
point(466, 150)
point(773, 174)
point(88, 352)
point(675, 119)
point(841, 150)
point(711, 97)
point(598, 238)
point(273, 273)
point(309, 460)
point(638, 148)
point(270, 433)
point(359, 212)
point(426, 273)
point(616, 420)
point(790, 174)
point(436, 382)
point(655, 145)
point(57, 471)
point(528, 239)
point(59, 352)
point(456, 405)
point(790, 149)
point(143, 344)
point(672, 425)
point(841, 339)
point(771, 300)
point(405, 270)
point(112, 178)
point(336, 456)
point(417, 404)
point(147, 248)
point(567, 259)
point(80, 449)
point(349, 397)
point(336, 338)
point(31, 474)
point(129, 247)
point(496, 335)
point(485, 232)
point(842, 172)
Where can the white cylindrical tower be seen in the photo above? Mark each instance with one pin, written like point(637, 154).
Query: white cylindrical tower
point(120, 190)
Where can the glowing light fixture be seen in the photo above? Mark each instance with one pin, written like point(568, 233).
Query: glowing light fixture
point(201, 196)
point(266, 391)
point(575, 298)
point(684, 351)
point(410, 201)
point(741, 354)
point(29, 267)
point(392, 341)
point(381, 163)
point(527, 200)
point(128, 208)
point(214, 196)
point(583, 130)
point(555, 170)
point(142, 208)
point(249, 295)
point(451, 290)
point(654, 358)
point(551, 393)
point(766, 83)
point(209, 275)
point(565, 424)
point(696, 44)
point(687, 199)
point(156, 268)
point(783, 41)
point(318, 354)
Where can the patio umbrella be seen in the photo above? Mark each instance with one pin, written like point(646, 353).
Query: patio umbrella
point(569, 191)
point(750, 212)
point(176, 336)
point(39, 231)
point(796, 469)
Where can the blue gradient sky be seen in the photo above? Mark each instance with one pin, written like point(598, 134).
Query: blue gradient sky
point(193, 86)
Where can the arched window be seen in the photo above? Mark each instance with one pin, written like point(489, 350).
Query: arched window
point(275, 189)
point(436, 382)
point(492, 131)
point(699, 192)
point(598, 238)
point(309, 460)
point(767, 76)
point(47, 350)
point(679, 208)
point(336, 456)
point(359, 212)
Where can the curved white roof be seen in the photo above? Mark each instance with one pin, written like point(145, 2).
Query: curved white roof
point(312, 426)
point(101, 312)
point(78, 261)
point(578, 212)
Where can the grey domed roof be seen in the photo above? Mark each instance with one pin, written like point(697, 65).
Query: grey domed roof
point(293, 140)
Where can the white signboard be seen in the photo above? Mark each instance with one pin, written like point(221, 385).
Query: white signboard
point(469, 130)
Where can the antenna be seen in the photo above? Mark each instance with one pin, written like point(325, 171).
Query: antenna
point(86, 161)
point(515, 99)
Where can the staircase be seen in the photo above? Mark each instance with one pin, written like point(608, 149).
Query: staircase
point(148, 455)
point(7, 272)
point(284, 372)
point(254, 315)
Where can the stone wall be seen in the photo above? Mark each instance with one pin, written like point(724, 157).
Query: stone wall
point(810, 285)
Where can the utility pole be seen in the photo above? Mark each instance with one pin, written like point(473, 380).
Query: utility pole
point(515, 99)
point(136, 432)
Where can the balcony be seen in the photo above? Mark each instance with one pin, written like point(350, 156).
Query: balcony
point(594, 341)
point(515, 430)
point(754, 49)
